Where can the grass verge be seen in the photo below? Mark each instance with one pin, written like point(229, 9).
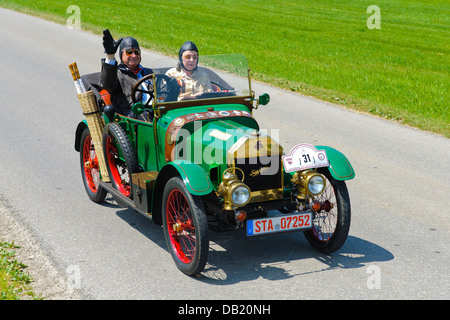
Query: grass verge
point(15, 282)
point(322, 49)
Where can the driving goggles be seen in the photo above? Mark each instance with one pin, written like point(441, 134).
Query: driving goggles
point(190, 57)
point(129, 52)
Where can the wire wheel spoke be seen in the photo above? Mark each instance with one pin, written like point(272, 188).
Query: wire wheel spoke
point(118, 167)
point(91, 167)
point(324, 222)
point(180, 226)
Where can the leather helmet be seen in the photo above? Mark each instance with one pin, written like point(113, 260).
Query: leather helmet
point(128, 43)
point(187, 46)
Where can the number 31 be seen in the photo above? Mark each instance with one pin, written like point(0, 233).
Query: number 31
point(306, 158)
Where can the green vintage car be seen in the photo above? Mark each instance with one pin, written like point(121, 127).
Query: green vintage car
point(204, 164)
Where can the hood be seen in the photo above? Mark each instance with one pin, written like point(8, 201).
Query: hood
point(224, 141)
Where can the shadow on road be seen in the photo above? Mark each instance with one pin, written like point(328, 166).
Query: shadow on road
point(234, 257)
point(242, 259)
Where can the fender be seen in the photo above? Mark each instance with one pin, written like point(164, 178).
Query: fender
point(340, 167)
point(195, 178)
point(78, 133)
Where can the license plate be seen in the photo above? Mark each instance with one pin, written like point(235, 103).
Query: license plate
point(267, 225)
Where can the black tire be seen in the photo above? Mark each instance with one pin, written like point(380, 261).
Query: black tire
point(185, 227)
point(120, 158)
point(331, 228)
point(90, 170)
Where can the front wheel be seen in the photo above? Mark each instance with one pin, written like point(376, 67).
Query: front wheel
point(332, 223)
point(185, 227)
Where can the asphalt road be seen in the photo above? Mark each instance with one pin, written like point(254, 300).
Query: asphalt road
point(398, 242)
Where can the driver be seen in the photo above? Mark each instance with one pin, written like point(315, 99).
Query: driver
point(192, 80)
point(119, 79)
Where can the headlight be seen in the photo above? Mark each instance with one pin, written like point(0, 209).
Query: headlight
point(234, 192)
point(240, 195)
point(308, 182)
point(316, 184)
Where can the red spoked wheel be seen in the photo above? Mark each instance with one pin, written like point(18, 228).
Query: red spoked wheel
point(90, 170)
point(185, 227)
point(118, 169)
point(180, 226)
point(331, 224)
point(120, 158)
point(90, 165)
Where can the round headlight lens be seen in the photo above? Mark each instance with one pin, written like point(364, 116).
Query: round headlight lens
point(240, 195)
point(316, 184)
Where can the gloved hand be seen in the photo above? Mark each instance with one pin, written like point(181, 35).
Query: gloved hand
point(109, 44)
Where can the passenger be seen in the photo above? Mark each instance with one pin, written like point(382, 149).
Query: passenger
point(119, 79)
point(192, 80)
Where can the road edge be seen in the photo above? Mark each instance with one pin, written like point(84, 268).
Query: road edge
point(48, 281)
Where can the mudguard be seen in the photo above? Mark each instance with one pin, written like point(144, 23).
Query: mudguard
point(195, 178)
point(340, 167)
point(78, 133)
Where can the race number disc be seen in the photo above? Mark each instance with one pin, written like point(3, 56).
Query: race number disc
point(305, 156)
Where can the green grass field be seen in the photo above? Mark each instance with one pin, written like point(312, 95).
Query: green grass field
point(318, 48)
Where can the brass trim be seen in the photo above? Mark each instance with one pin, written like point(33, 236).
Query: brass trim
point(229, 183)
point(266, 195)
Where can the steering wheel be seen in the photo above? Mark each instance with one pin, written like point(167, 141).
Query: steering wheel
point(161, 81)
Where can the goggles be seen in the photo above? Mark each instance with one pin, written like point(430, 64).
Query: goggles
point(131, 51)
point(189, 57)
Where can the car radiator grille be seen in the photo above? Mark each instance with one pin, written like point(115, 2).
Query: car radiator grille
point(260, 174)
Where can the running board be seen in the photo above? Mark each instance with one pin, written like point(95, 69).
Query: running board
point(121, 199)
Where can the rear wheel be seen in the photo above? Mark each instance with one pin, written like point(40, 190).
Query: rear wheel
point(90, 169)
point(332, 223)
point(185, 227)
point(120, 158)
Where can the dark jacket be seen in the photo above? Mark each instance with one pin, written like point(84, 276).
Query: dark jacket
point(118, 80)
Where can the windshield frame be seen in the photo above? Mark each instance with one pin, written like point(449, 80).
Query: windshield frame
point(218, 67)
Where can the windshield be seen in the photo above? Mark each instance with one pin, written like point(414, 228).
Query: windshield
point(214, 77)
